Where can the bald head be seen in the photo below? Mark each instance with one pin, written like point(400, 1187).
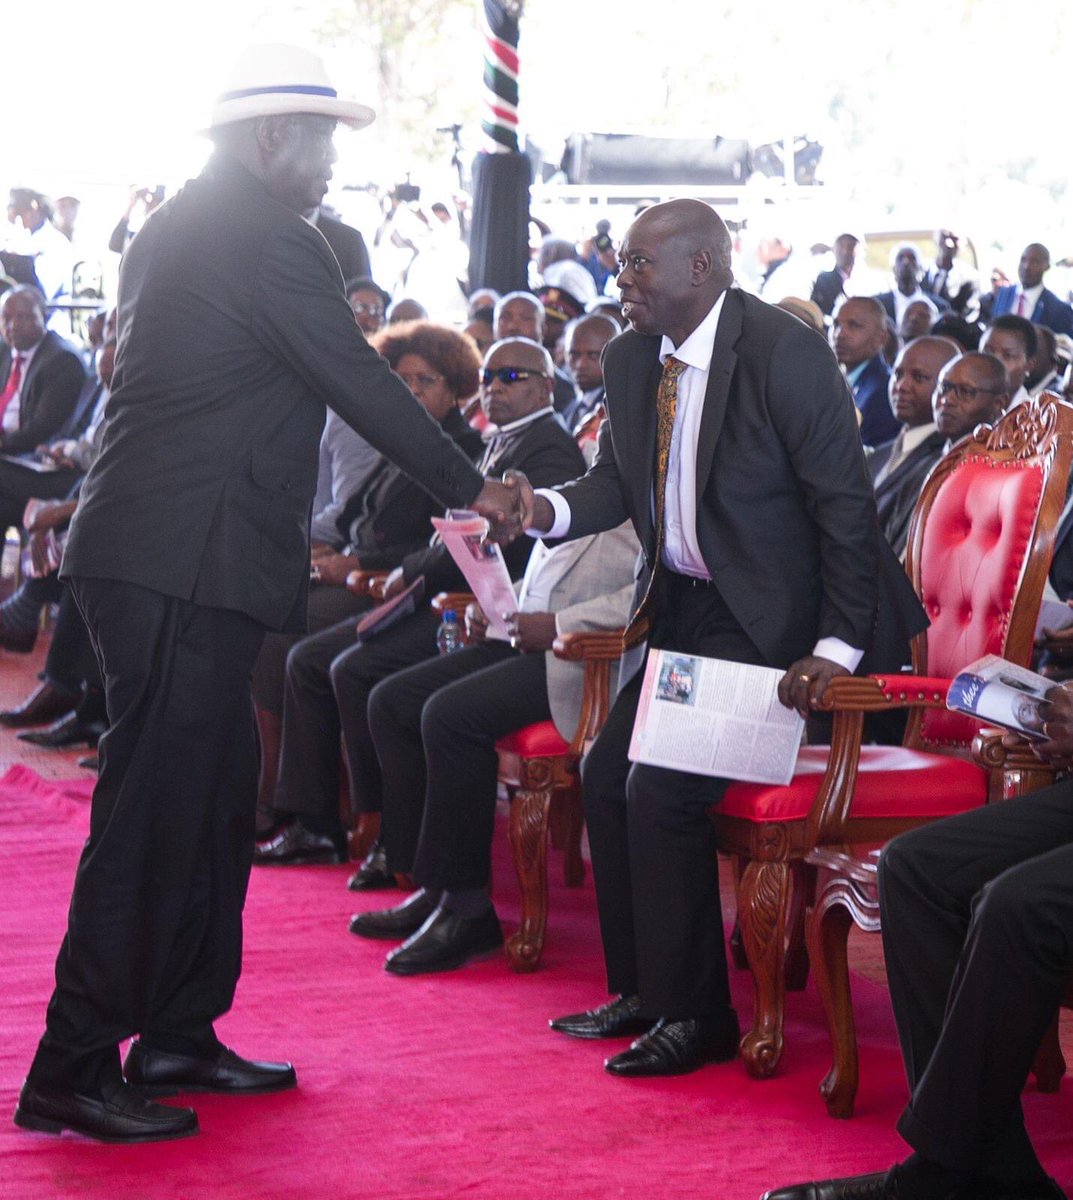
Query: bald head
point(675, 263)
point(584, 343)
point(914, 376)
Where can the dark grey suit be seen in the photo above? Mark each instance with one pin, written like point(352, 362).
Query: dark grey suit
point(897, 491)
point(47, 396)
point(192, 536)
point(786, 524)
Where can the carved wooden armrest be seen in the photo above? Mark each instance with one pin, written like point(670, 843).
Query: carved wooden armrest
point(589, 645)
point(1015, 770)
point(877, 693)
point(597, 649)
point(367, 583)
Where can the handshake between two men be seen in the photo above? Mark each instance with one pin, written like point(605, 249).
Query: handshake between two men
point(511, 507)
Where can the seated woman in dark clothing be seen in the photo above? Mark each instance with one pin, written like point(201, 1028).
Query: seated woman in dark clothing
point(386, 519)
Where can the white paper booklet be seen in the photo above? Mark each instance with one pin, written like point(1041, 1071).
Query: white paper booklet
point(714, 717)
point(481, 562)
point(996, 690)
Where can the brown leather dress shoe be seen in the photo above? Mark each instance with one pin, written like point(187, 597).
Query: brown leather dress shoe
point(45, 703)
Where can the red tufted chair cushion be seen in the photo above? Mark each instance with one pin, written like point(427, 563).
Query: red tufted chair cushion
point(973, 551)
point(541, 740)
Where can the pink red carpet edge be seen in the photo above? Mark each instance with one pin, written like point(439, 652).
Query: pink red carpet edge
point(434, 1088)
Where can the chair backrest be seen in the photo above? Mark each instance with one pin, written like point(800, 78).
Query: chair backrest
point(980, 546)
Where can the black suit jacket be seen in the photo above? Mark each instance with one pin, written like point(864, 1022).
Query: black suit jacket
point(887, 300)
point(786, 517)
point(347, 245)
point(547, 454)
point(389, 517)
point(871, 395)
point(48, 395)
point(828, 287)
point(234, 333)
point(898, 491)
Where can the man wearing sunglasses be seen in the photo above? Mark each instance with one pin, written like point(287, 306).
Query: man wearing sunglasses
point(763, 548)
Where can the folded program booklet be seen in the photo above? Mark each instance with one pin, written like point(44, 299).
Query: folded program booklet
point(1002, 693)
point(714, 717)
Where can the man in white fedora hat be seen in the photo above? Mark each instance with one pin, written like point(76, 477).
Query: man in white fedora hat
point(192, 539)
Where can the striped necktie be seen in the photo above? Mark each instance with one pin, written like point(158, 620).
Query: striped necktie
point(666, 406)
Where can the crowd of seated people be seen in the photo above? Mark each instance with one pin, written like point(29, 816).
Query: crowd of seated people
point(381, 719)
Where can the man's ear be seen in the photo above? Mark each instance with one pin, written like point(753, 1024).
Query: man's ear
point(702, 266)
point(271, 132)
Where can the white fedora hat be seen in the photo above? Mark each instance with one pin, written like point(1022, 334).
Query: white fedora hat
point(275, 79)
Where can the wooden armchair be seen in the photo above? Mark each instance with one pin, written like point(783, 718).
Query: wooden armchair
point(979, 549)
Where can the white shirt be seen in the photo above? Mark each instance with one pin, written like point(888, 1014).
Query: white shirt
point(1031, 300)
point(902, 302)
point(681, 549)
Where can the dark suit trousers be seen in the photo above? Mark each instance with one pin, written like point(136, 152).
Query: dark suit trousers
point(71, 662)
point(435, 728)
point(978, 934)
point(329, 678)
point(18, 484)
point(154, 936)
point(652, 843)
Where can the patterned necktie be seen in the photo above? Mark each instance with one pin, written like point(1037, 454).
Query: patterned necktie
point(14, 381)
point(666, 407)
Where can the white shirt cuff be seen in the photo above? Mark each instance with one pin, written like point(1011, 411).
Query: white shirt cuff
point(561, 525)
point(838, 651)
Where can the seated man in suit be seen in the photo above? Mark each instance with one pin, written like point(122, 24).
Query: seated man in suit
point(978, 936)
point(858, 334)
point(899, 467)
point(373, 521)
point(584, 342)
point(1012, 340)
point(41, 378)
point(435, 727)
point(1029, 298)
point(330, 671)
point(972, 390)
point(1045, 367)
point(521, 314)
point(908, 271)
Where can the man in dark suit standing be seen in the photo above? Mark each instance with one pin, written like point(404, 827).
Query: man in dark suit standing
point(41, 378)
point(830, 286)
point(192, 538)
point(731, 443)
point(1029, 298)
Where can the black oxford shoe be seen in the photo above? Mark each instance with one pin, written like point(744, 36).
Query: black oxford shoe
point(885, 1186)
point(446, 941)
point(677, 1047)
point(160, 1073)
point(620, 1017)
point(67, 731)
point(394, 924)
point(295, 846)
point(373, 873)
point(120, 1114)
point(45, 703)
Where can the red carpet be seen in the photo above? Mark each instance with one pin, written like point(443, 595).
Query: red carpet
point(444, 1087)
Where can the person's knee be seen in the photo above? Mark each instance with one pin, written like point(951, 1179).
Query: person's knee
point(305, 669)
point(347, 684)
point(439, 720)
point(663, 801)
point(899, 863)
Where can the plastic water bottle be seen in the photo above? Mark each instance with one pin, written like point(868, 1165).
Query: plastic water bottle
point(448, 636)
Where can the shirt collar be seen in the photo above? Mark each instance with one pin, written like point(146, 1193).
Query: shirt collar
point(495, 430)
point(696, 350)
point(856, 372)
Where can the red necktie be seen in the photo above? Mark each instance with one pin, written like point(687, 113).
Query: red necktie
point(1021, 305)
point(11, 388)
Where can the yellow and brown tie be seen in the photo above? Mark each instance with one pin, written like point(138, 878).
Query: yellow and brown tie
point(666, 406)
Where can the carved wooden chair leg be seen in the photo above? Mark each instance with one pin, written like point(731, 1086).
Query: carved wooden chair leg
point(763, 900)
point(567, 813)
point(828, 929)
point(796, 951)
point(737, 951)
point(528, 829)
point(1050, 1064)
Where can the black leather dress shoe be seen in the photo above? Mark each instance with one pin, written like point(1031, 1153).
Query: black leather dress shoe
point(856, 1187)
point(620, 1017)
point(446, 941)
point(676, 1048)
point(295, 846)
point(18, 641)
point(121, 1114)
point(45, 703)
point(67, 731)
point(394, 924)
point(372, 874)
point(160, 1073)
